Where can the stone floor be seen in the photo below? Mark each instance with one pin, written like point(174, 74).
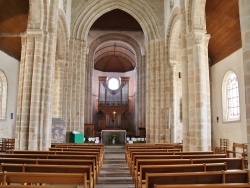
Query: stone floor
point(114, 172)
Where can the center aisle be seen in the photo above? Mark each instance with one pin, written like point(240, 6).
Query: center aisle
point(114, 172)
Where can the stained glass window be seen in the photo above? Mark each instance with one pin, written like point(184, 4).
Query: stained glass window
point(231, 94)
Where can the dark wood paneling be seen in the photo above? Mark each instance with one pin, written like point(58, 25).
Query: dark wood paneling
point(13, 19)
point(222, 19)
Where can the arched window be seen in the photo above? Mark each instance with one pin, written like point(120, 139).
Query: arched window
point(230, 97)
point(3, 95)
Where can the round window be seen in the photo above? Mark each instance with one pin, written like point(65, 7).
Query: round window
point(113, 83)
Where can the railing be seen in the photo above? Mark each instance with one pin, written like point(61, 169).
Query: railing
point(113, 103)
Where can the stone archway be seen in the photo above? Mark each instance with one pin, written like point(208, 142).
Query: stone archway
point(156, 95)
point(140, 10)
point(140, 84)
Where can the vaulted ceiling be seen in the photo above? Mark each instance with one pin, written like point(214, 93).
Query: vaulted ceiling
point(222, 18)
point(114, 56)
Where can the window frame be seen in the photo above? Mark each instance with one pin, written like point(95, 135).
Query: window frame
point(3, 95)
point(225, 99)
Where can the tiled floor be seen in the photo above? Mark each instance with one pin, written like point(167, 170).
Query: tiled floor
point(114, 172)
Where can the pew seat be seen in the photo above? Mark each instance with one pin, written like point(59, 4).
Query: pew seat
point(224, 185)
point(23, 178)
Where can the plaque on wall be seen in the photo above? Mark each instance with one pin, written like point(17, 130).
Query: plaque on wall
point(58, 130)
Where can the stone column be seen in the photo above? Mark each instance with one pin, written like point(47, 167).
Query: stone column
point(88, 94)
point(184, 75)
point(157, 92)
point(76, 96)
point(172, 109)
point(34, 113)
point(140, 105)
point(143, 91)
point(199, 93)
point(244, 6)
point(58, 88)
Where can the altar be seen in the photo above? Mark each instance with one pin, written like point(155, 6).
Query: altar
point(108, 135)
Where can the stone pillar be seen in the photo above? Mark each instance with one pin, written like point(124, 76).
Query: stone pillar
point(184, 75)
point(58, 88)
point(76, 96)
point(34, 108)
point(244, 6)
point(199, 93)
point(172, 109)
point(143, 91)
point(88, 95)
point(157, 92)
point(140, 105)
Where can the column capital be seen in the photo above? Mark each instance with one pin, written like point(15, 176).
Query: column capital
point(199, 36)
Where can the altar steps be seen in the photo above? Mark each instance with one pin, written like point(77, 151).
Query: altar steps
point(114, 172)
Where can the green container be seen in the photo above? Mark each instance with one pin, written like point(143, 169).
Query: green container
point(76, 137)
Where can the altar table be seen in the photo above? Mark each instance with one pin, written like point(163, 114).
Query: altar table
point(107, 134)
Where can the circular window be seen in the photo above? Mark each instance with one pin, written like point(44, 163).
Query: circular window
point(113, 83)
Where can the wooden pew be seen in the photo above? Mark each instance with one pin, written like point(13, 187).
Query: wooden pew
point(204, 185)
point(232, 163)
point(232, 176)
point(48, 178)
point(38, 186)
point(137, 147)
point(133, 166)
point(50, 156)
point(89, 162)
point(99, 146)
point(98, 161)
point(51, 169)
point(136, 152)
point(130, 159)
point(144, 169)
point(154, 157)
point(89, 151)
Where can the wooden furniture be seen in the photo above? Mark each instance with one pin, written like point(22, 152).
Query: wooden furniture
point(89, 130)
point(225, 185)
point(223, 146)
point(236, 176)
point(239, 149)
point(51, 169)
point(40, 178)
point(141, 177)
point(7, 144)
point(142, 132)
point(38, 186)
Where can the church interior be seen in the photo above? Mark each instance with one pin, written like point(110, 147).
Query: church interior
point(169, 73)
